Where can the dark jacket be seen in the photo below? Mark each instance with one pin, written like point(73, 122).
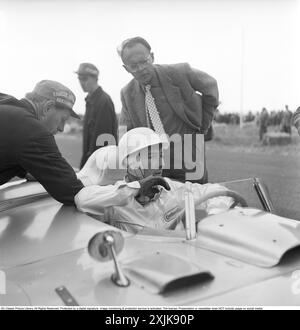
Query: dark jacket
point(100, 118)
point(27, 146)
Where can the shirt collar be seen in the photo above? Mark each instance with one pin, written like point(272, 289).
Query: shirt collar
point(91, 97)
point(29, 105)
point(153, 83)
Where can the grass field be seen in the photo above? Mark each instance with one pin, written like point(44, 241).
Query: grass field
point(247, 139)
point(237, 154)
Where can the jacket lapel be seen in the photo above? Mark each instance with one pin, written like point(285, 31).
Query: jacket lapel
point(173, 95)
point(138, 104)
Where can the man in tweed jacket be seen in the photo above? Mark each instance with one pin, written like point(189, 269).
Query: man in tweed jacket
point(186, 100)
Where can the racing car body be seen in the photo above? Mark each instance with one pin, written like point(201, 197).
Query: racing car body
point(242, 257)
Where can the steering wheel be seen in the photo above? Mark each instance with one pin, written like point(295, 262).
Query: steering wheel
point(238, 199)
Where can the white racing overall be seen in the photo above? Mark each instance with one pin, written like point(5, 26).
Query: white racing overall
point(116, 204)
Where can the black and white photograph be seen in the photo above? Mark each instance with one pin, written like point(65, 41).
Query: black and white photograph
point(149, 157)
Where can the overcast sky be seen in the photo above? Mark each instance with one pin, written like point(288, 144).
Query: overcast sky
point(48, 40)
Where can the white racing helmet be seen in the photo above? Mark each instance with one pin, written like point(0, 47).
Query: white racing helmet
point(102, 167)
point(138, 139)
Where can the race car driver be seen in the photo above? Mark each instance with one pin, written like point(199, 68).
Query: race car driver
point(143, 198)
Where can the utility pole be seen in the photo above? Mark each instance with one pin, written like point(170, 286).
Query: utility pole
point(242, 76)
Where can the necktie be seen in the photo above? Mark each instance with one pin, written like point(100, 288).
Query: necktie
point(153, 113)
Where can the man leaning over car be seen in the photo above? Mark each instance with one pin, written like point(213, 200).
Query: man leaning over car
point(27, 144)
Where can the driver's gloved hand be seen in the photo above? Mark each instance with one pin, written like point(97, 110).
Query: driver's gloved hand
point(149, 187)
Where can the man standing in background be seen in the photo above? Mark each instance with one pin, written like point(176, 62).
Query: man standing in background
point(263, 123)
point(286, 122)
point(296, 119)
point(100, 117)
